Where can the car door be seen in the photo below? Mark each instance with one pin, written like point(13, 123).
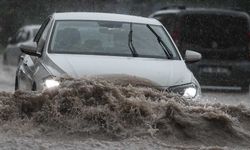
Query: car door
point(30, 66)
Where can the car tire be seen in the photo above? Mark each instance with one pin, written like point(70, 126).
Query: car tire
point(16, 84)
point(33, 86)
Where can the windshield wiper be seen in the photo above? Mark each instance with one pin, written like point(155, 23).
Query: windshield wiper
point(163, 45)
point(130, 42)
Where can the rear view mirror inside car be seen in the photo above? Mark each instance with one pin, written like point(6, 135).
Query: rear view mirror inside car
point(108, 24)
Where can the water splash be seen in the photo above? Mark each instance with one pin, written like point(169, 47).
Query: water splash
point(101, 107)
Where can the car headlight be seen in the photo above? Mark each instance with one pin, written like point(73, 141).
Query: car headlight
point(187, 90)
point(49, 83)
point(190, 92)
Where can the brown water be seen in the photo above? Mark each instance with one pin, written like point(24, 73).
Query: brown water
point(101, 114)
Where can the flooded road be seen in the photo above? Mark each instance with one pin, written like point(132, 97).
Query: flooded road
point(94, 114)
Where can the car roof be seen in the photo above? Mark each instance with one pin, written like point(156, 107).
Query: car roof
point(104, 17)
point(200, 11)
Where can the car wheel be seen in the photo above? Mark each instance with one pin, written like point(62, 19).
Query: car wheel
point(33, 86)
point(16, 84)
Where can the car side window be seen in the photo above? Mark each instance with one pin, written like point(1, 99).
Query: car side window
point(42, 34)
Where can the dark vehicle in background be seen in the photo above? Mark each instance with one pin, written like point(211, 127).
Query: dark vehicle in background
point(221, 36)
point(12, 52)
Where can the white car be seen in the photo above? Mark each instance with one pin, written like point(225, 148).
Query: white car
point(12, 52)
point(90, 44)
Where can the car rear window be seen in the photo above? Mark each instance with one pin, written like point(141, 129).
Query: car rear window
point(215, 32)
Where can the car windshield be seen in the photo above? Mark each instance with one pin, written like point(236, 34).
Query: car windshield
point(109, 38)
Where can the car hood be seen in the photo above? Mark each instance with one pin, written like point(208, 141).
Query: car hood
point(160, 71)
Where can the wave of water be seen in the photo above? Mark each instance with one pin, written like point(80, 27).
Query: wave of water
point(102, 109)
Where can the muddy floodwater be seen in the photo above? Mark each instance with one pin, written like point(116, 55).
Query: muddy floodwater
point(94, 113)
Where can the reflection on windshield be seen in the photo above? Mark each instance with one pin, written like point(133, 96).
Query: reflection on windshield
point(108, 38)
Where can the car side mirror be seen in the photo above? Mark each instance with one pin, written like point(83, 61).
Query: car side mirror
point(30, 49)
point(192, 56)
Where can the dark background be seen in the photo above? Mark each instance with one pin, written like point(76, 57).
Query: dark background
point(16, 13)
